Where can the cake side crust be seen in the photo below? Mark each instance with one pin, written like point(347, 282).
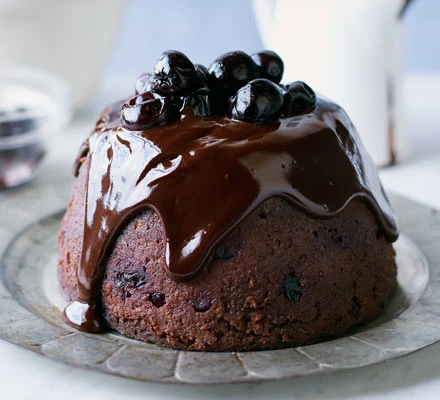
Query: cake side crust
point(279, 279)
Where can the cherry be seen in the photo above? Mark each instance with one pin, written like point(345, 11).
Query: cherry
point(258, 101)
point(200, 102)
point(148, 109)
point(270, 64)
point(298, 99)
point(202, 74)
point(173, 73)
point(231, 71)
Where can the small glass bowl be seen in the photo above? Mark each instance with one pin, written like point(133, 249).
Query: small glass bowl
point(33, 104)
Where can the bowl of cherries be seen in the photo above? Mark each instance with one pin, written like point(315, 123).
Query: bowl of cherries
point(33, 104)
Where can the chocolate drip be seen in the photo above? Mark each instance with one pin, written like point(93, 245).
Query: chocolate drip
point(204, 175)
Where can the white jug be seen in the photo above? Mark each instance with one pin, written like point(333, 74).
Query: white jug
point(351, 52)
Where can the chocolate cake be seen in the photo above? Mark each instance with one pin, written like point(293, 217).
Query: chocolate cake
point(219, 210)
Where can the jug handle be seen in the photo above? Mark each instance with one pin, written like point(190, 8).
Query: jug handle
point(404, 8)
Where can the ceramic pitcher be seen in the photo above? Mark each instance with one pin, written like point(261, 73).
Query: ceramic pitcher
point(351, 52)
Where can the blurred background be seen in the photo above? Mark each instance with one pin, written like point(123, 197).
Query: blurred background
point(102, 39)
point(205, 29)
point(359, 53)
point(310, 38)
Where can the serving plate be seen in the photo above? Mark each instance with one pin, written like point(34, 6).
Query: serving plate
point(31, 306)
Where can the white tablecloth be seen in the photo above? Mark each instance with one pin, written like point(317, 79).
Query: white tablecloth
point(25, 375)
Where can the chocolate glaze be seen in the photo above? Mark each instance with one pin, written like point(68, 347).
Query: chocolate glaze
point(203, 175)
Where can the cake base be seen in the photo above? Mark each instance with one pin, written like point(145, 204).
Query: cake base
point(280, 279)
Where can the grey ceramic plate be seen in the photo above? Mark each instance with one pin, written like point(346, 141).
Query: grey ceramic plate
point(30, 307)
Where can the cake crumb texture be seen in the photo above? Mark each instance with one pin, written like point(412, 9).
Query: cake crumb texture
point(281, 278)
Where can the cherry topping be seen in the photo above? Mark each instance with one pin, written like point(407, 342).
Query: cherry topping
point(298, 99)
point(173, 73)
point(244, 87)
point(148, 109)
point(200, 102)
point(231, 71)
point(202, 74)
point(259, 101)
point(270, 64)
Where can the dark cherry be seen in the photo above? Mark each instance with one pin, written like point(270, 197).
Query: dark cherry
point(200, 102)
point(243, 87)
point(157, 298)
point(202, 74)
point(292, 287)
point(148, 109)
point(231, 71)
point(173, 74)
point(258, 101)
point(201, 304)
point(143, 83)
point(298, 99)
point(270, 64)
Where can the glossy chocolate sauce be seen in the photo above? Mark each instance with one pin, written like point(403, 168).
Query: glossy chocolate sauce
point(203, 175)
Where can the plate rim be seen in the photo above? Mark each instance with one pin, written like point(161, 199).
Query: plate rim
point(423, 239)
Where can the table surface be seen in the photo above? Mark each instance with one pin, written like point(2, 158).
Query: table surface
point(24, 375)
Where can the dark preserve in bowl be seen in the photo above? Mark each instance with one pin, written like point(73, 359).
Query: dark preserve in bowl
point(21, 150)
point(33, 105)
